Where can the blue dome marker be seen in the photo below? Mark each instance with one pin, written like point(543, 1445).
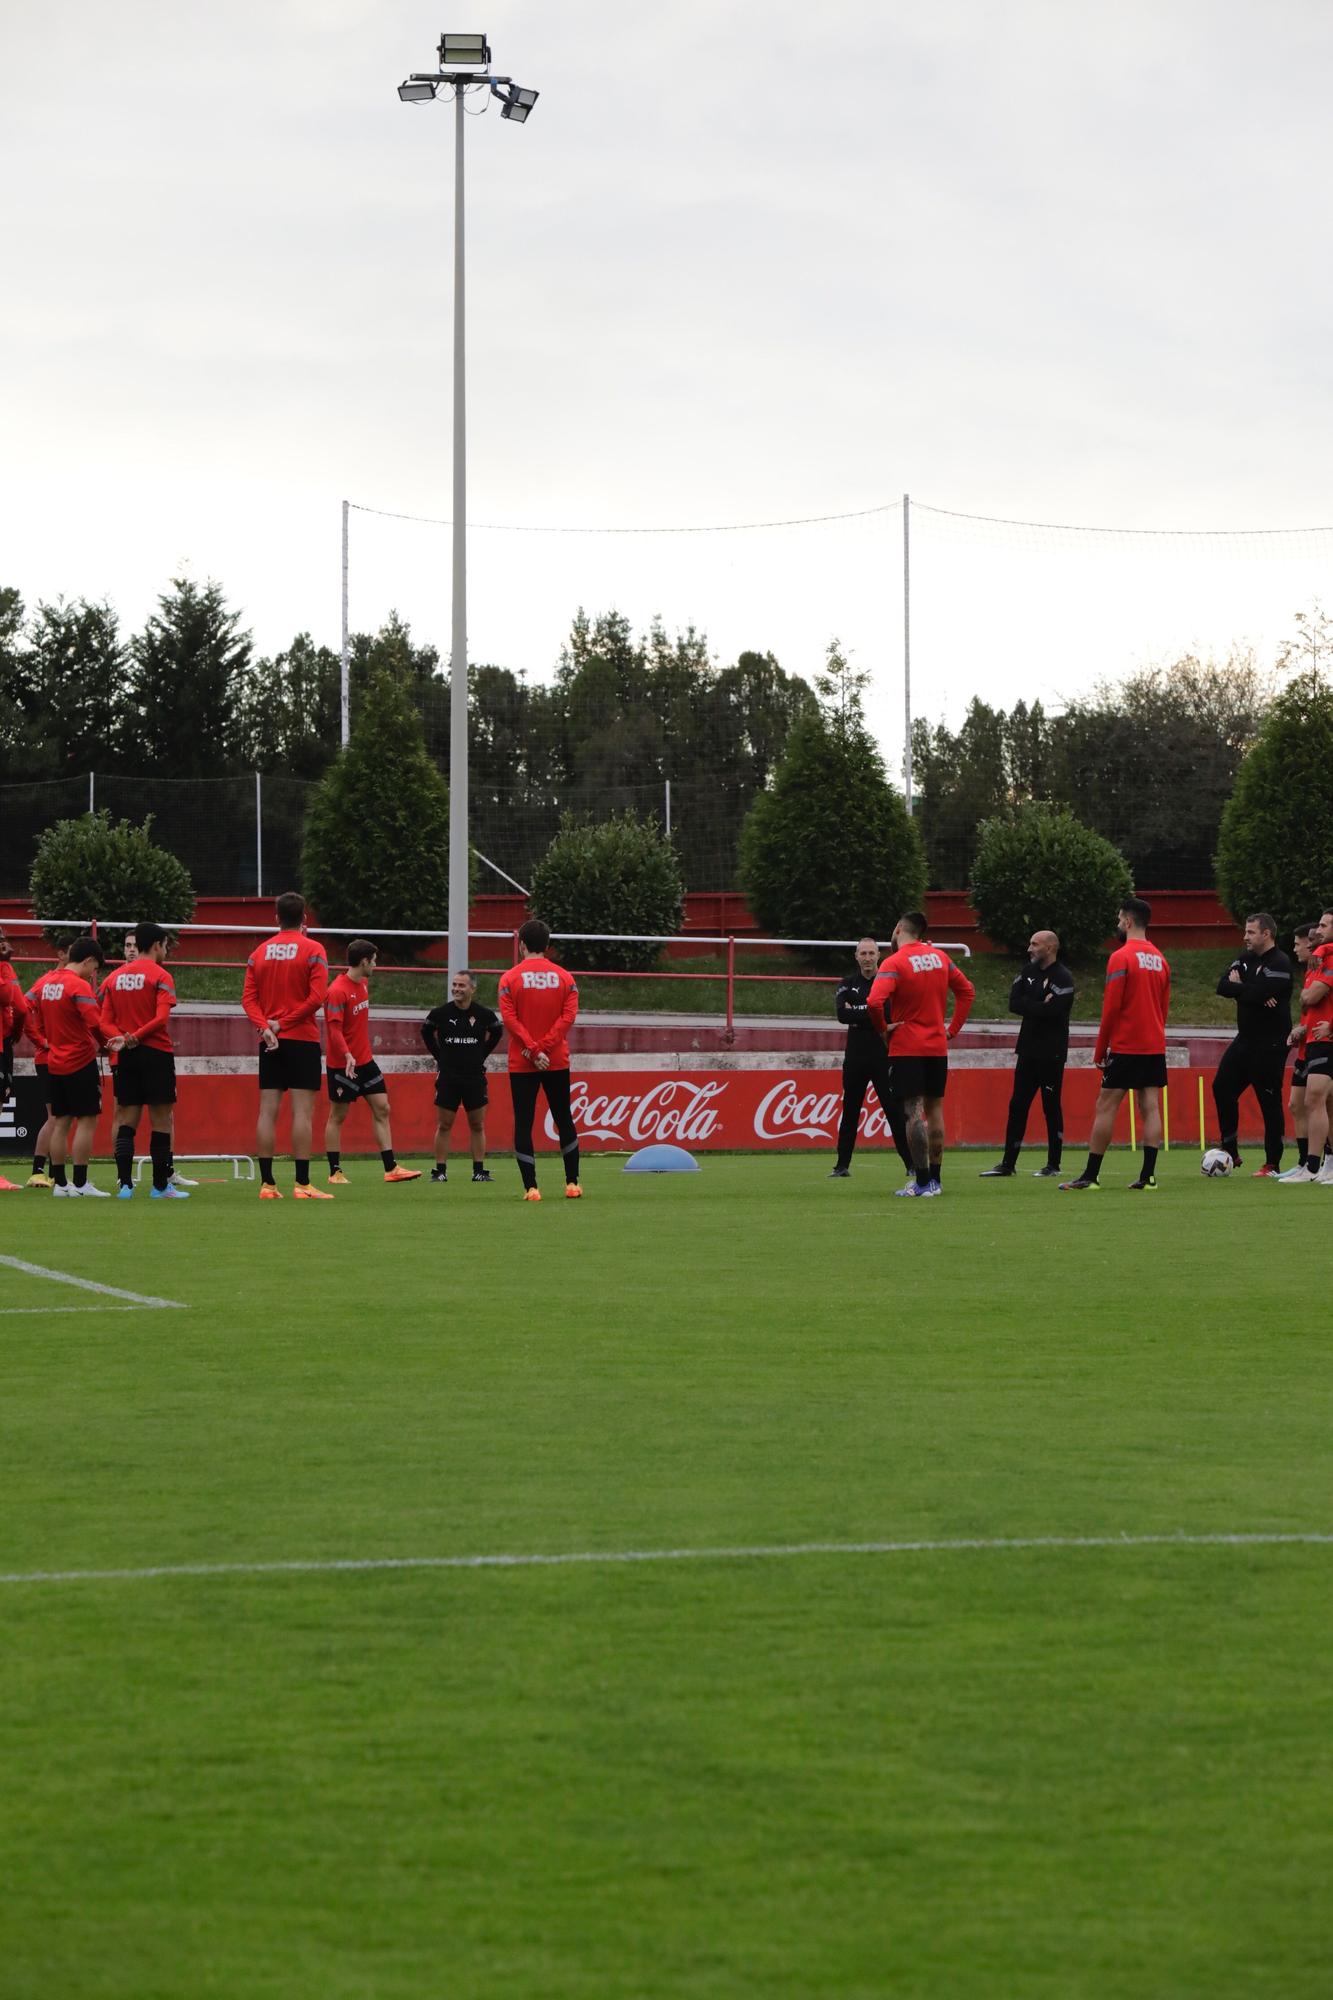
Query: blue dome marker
point(661, 1160)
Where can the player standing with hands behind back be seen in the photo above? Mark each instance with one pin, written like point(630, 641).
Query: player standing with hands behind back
point(1131, 1045)
point(538, 1005)
point(286, 980)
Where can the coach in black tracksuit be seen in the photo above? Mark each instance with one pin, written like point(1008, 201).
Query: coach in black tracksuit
point(1260, 983)
point(864, 1062)
point(1043, 994)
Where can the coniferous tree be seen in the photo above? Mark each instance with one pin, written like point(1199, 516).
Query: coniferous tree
point(1273, 851)
point(78, 667)
point(187, 682)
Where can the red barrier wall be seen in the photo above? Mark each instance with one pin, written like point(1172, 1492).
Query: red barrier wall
point(704, 1110)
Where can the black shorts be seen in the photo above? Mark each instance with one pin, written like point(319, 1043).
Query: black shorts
point(78, 1095)
point(368, 1082)
point(1298, 1073)
point(291, 1066)
point(145, 1076)
point(1134, 1073)
point(461, 1087)
point(1319, 1059)
point(918, 1076)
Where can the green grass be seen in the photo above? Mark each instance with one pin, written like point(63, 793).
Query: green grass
point(1037, 1774)
point(1194, 976)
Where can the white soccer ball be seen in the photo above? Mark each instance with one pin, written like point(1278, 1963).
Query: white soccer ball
point(1215, 1162)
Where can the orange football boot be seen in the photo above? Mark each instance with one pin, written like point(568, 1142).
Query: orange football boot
point(267, 1191)
point(309, 1192)
point(403, 1174)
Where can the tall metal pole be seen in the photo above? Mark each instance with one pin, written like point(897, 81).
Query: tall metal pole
point(907, 651)
point(343, 684)
point(259, 835)
point(458, 787)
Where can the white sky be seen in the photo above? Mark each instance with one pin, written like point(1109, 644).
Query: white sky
point(746, 260)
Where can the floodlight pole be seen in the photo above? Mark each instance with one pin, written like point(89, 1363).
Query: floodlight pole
point(907, 651)
point(344, 700)
point(458, 719)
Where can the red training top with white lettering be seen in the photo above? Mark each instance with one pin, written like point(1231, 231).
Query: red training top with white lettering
point(1317, 1021)
point(1136, 1002)
point(36, 1032)
point(538, 1005)
point(71, 1022)
point(911, 989)
point(13, 1006)
point(137, 1000)
point(347, 1016)
point(286, 980)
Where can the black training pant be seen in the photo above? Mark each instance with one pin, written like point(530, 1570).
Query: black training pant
point(859, 1071)
point(524, 1086)
point(1032, 1074)
point(1260, 1067)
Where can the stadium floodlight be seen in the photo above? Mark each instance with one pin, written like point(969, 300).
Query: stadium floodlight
point(464, 52)
point(518, 103)
point(464, 63)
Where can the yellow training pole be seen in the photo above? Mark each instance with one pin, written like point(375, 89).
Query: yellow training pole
point(1166, 1118)
point(1132, 1141)
point(1203, 1143)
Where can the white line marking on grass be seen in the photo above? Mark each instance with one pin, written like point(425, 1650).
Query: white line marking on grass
point(9, 1310)
point(89, 1284)
point(588, 1558)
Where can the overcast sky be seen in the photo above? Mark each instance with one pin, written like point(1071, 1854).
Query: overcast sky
point(747, 260)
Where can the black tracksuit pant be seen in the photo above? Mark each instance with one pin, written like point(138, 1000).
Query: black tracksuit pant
point(524, 1086)
point(860, 1069)
point(1256, 1066)
point(1033, 1074)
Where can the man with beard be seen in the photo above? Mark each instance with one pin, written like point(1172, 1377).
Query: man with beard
point(1043, 994)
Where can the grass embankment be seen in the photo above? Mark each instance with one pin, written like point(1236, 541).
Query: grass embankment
point(1194, 975)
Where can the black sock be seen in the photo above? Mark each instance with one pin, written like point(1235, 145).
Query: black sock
point(389, 1161)
point(125, 1154)
point(58, 1175)
point(936, 1169)
point(266, 1171)
point(38, 1162)
point(478, 1167)
point(81, 1176)
point(1094, 1166)
point(923, 1177)
point(159, 1149)
point(302, 1173)
point(335, 1160)
point(1149, 1162)
point(1302, 1152)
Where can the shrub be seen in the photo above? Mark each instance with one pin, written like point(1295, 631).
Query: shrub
point(98, 866)
point(1275, 846)
point(618, 875)
point(830, 850)
point(376, 846)
point(1038, 868)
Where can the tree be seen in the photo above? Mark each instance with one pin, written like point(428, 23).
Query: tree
point(96, 869)
point(187, 683)
point(78, 669)
point(830, 849)
point(291, 712)
point(963, 778)
point(1038, 868)
point(376, 849)
point(1275, 847)
point(620, 875)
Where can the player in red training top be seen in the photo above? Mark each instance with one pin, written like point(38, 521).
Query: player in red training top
point(286, 980)
point(1313, 1036)
point(907, 1003)
point(1131, 1044)
point(353, 1070)
point(13, 1022)
point(538, 1005)
point(39, 1178)
point(72, 1025)
point(137, 999)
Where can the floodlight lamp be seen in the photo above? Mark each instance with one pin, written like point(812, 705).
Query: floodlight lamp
point(517, 105)
point(464, 52)
point(416, 91)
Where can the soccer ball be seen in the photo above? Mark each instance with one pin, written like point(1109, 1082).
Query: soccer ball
point(1216, 1162)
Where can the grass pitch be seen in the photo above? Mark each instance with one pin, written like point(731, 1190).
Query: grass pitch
point(1099, 1771)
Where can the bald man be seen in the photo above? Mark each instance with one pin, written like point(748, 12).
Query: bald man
point(1043, 994)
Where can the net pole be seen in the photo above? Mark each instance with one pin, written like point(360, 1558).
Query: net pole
point(259, 835)
point(666, 783)
point(1133, 1142)
point(907, 650)
point(92, 791)
point(344, 692)
point(1166, 1118)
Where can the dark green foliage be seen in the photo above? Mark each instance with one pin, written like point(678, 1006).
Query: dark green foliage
point(291, 713)
point(1038, 868)
point(829, 851)
point(187, 684)
point(98, 868)
point(618, 875)
point(1275, 847)
point(376, 850)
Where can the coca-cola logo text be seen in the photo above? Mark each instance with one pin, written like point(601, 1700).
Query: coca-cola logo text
point(675, 1109)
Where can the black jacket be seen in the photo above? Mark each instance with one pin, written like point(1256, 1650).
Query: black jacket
point(461, 1038)
point(864, 1041)
point(1044, 996)
point(1264, 976)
